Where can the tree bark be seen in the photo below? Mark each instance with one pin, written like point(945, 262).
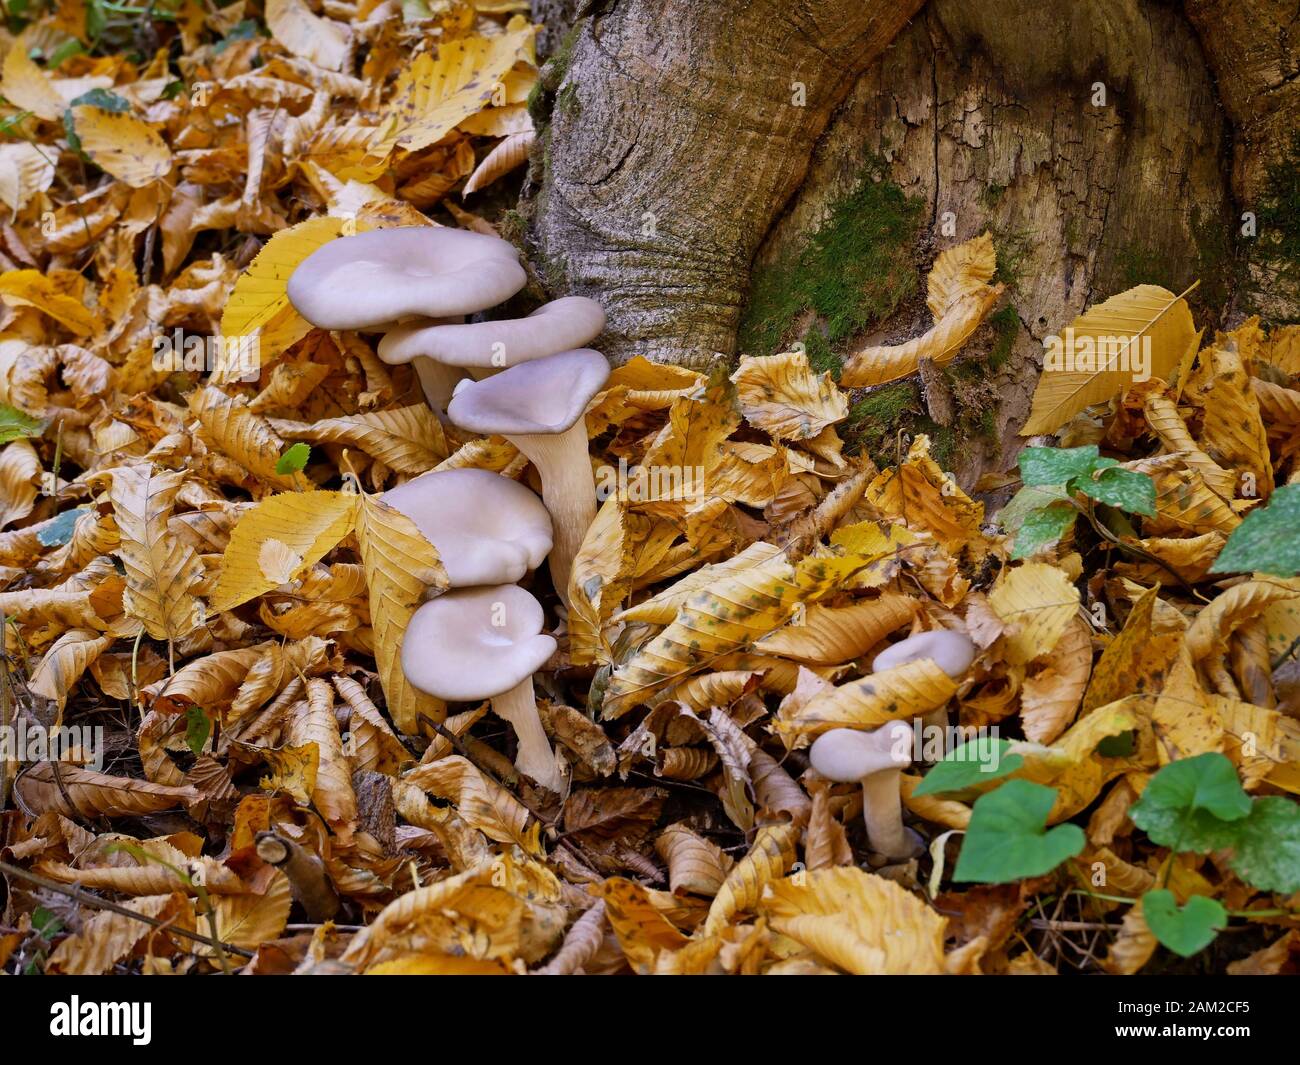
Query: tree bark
point(674, 158)
point(678, 131)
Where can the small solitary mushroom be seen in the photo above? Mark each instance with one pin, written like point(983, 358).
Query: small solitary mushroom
point(560, 325)
point(486, 643)
point(371, 281)
point(876, 759)
point(538, 406)
point(953, 652)
point(486, 528)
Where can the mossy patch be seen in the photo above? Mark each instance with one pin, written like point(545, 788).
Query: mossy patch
point(852, 271)
point(1279, 215)
point(874, 422)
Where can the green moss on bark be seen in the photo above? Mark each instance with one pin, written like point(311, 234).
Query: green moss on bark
point(853, 270)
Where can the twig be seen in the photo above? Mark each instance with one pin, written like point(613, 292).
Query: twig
point(104, 904)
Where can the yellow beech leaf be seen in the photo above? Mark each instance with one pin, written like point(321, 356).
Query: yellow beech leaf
point(250, 920)
point(1165, 421)
point(771, 855)
point(921, 495)
point(239, 433)
point(65, 662)
point(662, 608)
point(1036, 601)
point(122, 145)
point(1213, 624)
point(960, 297)
point(1183, 498)
point(510, 153)
point(1233, 429)
point(306, 524)
point(481, 802)
point(293, 770)
point(315, 723)
point(828, 635)
point(1145, 330)
point(35, 289)
point(304, 33)
point(25, 170)
point(401, 567)
point(409, 439)
point(160, 567)
point(77, 792)
point(909, 690)
point(1138, 660)
point(859, 922)
point(27, 88)
point(781, 395)
point(602, 574)
point(108, 938)
point(1050, 698)
point(20, 470)
point(259, 305)
point(433, 96)
point(721, 618)
point(694, 863)
point(643, 932)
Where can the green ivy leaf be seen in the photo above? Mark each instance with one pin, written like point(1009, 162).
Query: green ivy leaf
point(1187, 802)
point(14, 423)
point(1265, 541)
point(197, 728)
point(1057, 465)
point(1187, 930)
point(1008, 837)
point(1125, 489)
point(1266, 845)
point(1042, 528)
point(983, 758)
point(294, 459)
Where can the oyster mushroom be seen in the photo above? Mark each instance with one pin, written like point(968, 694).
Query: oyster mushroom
point(487, 528)
point(560, 325)
point(953, 652)
point(876, 759)
point(486, 643)
point(538, 406)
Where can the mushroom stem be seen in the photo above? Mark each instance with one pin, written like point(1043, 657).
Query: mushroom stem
point(437, 380)
point(568, 490)
point(882, 810)
point(535, 757)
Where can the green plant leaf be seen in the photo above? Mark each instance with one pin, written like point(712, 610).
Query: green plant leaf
point(1187, 930)
point(1042, 528)
point(1008, 837)
point(1186, 803)
point(197, 727)
point(1125, 489)
point(14, 423)
point(294, 459)
point(1057, 465)
point(1266, 845)
point(983, 758)
point(1265, 541)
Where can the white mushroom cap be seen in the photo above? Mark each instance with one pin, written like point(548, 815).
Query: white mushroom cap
point(560, 325)
point(372, 279)
point(475, 643)
point(953, 652)
point(847, 755)
point(543, 397)
point(487, 528)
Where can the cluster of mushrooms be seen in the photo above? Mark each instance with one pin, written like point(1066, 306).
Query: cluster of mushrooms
point(876, 759)
point(528, 380)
